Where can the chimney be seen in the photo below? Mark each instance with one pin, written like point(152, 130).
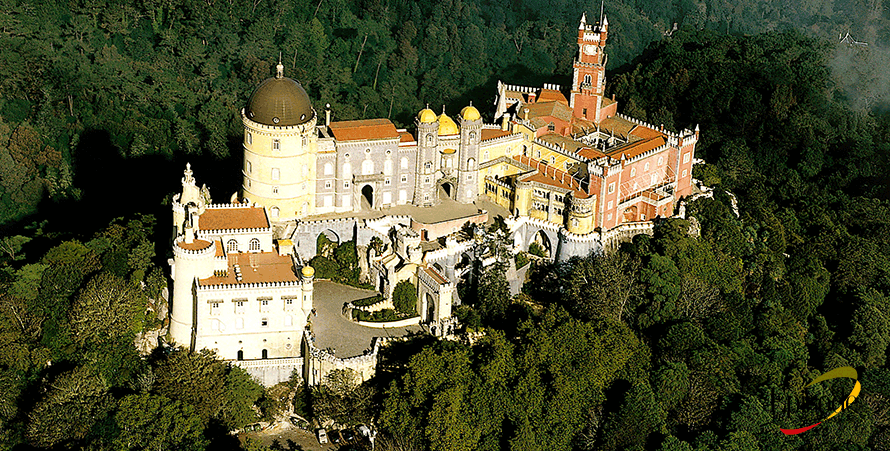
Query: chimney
point(327, 115)
point(525, 110)
point(532, 97)
point(505, 122)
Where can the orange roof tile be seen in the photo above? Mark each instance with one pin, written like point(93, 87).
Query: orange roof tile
point(645, 132)
point(406, 137)
point(590, 153)
point(548, 95)
point(638, 147)
point(492, 133)
point(549, 175)
point(364, 129)
point(256, 268)
point(196, 245)
point(435, 275)
point(219, 248)
point(233, 218)
point(552, 108)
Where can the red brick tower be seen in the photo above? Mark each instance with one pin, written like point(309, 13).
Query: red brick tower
point(589, 77)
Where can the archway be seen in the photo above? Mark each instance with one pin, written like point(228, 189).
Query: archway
point(540, 245)
point(240, 355)
point(326, 242)
point(265, 354)
point(429, 307)
point(368, 197)
point(446, 190)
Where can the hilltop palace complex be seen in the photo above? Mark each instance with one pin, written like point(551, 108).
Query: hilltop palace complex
point(562, 167)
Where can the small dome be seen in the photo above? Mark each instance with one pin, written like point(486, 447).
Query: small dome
point(426, 116)
point(447, 126)
point(470, 113)
point(279, 101)
point(308, 271)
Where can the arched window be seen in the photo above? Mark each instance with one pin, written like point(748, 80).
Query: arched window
point(660, 161)
point(633, 172)
point(471, 163)
point(404, 163)
point(387, 167)
point(305, 141)
point(347, 170)
point(231, 246)
point(254, 244)
point(654, 178)
point(240, 355)
point(328, 169)
point(265, 354)
point(367, 167)
point(587, 79)
point(646, 166)
point(472, 136)
point(274, 211)
point(429, 139)
point(249, 138)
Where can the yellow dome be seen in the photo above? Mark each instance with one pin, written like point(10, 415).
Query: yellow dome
point(447, 126)
point(308, 271)
point(470, 113)
point(426, 116)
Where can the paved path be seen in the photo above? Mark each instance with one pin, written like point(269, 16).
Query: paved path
point(333, 330)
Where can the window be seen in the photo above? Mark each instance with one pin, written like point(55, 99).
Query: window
point(275, 211)
point(403, 196)
point(239, 306)
point(551, 127)
point(429, 139)
point(660, 161)
point(214, 308)
point(539, 154)
point(469, 176)
point(329, 201)
point(611, 187)
point(609, 217)
point(684, 173)
point(426, 180)
point(249, 168)
point(367, 167)
point(328, 169)
point(387, 181)
point(387, 167)
point(646, 166)
point(686, 157)
point(471, 163)
point(264, 305)
point(288, 304)
point(552, 160)
point(472, 136)
point(274, 190)
point(254, 244)
point(327, 184)
point(428, 165)
point(305, 141)
point(584, 112)
point(347, 169)
point(368, 150)
point(654, 179)
point(264, 323)
point(587, 79)
point(633, 172)
point(276, 174)
point(249, 138)
point(485, 155)
point(231, 246)
point(609, 205)
point(404, 178)
point(642, 217)
point(276, 144)
point(404, 163)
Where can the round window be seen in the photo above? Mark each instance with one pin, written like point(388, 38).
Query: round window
point(275, 120)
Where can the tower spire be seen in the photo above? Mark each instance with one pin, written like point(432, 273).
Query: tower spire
point(602, 10)
point(279, 69)
point(583, 21)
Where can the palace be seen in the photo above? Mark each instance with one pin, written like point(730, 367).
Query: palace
point(562, 167)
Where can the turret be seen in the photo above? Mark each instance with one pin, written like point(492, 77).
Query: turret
point(192, 260)
point(308, 274)
point(468, 156)
point(427, 141)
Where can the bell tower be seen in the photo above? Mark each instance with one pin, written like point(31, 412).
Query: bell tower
point(589, 70)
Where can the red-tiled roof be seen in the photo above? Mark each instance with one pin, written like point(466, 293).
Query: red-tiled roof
point(195, 245)
point(492, 133)
point(256, 268)
point(645, 132)
point(638, 147)
point(233, 218)
point(548, 95)
point(406, 137)
point(219, 248)
point(364, 129)
point(435, 275)
point(552, 108)
point(549, 175)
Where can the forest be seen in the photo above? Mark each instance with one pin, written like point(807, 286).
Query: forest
point(679, 343)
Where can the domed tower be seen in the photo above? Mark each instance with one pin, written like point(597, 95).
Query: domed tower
point(308, 274)
point(468, 158)
point(280, 142)
point(427, 141)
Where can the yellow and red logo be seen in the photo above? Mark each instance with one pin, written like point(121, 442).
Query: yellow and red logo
point(846, 372)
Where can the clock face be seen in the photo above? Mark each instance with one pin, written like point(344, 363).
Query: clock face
point(590, 49)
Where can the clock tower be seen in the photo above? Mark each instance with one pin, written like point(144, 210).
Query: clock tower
point(589, 75)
